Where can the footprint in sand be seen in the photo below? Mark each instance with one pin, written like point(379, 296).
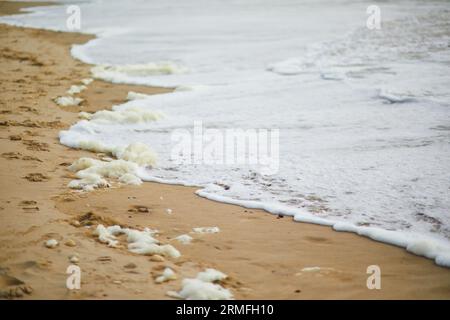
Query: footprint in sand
point(139, 208)
point(29, 205)
point(31, 133)
point(90, 218)
point(33, 124)
point(11, 287)
point(28, 109)
point(26, 123)
point(15, 137)
point(36, 145)
point(11, 155)
point(318, 239)
point(36, 177)
point(30, 158)
point(18, 155)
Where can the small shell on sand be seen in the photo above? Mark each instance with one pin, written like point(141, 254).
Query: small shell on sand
point(75, 223)
point(27, 289)
point(51, 243)
point(157, 258)
point(70, 243)
point(74, 259)
point(130, 265)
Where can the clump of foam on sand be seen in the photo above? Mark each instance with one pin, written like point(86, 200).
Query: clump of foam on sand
point(138, 153)
point(211, 275)
point(206, 230)
point(71, 138)
point(130, 179)
point(184, 238)
point(136, 96)
point(51, 243)
point(126, 116)
point(119, 73)
point(74, 89)
point(167, 275)
point(68, 101)
point(204, 287)
point(87, 81)
point(84, 115)
point(106, 235)
point(92, 173)
point(129, 158)
point(139, 242)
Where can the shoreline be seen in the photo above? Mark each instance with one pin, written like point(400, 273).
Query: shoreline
point(248, 248)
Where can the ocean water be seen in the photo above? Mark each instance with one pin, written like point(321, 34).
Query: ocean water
point(363, 115)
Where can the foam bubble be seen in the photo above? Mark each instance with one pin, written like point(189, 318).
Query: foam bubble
point(120, 73)
point(139, 242)
point(203, 288)
point(211, 275)
point(68, 101)
point(51, 243)
point(126, 116)
point(74, 89)
point(206, 230)
point(167, 275)
point(130, 179)
point(87, 81)
point(184, 238)
point(138, 153)
point(91, 173)
point(136, 96)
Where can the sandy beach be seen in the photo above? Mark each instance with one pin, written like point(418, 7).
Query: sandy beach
point(265, 256)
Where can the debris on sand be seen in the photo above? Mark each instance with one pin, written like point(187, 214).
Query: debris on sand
point(51, 243)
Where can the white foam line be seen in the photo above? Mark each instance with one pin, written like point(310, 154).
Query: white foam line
point(141, 173)
point(414, 243)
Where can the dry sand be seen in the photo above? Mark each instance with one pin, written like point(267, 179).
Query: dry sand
point(263, 254)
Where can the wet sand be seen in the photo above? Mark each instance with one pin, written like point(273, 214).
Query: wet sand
point(263, 254)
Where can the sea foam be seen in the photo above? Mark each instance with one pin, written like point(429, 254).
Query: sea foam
point(139, 242)
point(125, 73)
point(204, 287)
